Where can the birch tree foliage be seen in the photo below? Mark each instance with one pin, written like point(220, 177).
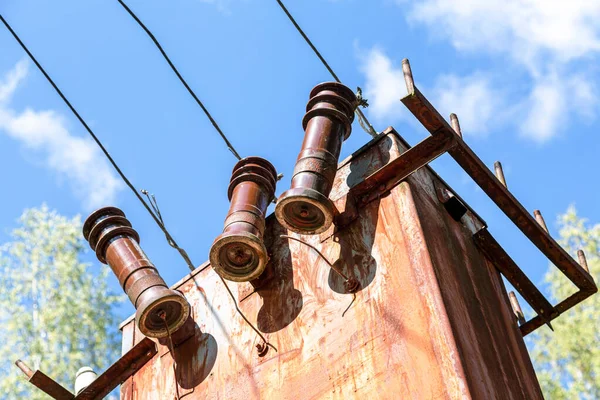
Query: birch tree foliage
point(567, 361)
point(57, 314)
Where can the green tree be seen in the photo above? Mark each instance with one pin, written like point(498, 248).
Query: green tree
point(568, 360)
point(56, 314)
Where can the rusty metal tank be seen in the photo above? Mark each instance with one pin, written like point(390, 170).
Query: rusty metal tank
point(306, 208)
point(159, 310)
point(239, 254)
point(431, 318)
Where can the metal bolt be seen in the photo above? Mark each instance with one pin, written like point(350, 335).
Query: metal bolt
point(583, 260)
point(262, 349)
point(500, 173)
point(408, 76)
point(455, 124)
point(514, 302)
point(25, 368)
point(540, 220)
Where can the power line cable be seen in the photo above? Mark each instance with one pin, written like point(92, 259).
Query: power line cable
point(99, 143)
point(181, 79)
point(153, 208)
point(362, 119)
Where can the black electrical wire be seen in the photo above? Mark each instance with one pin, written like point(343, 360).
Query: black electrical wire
point(361, 116)
point(153, 207)
point(181, 79)
point(99, 143)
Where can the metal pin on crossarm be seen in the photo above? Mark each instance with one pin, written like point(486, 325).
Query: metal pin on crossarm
point(500, 173)
point(540, 220)
point(455, 124)
point(516, 307)
point(583, 260)
point(408, 76)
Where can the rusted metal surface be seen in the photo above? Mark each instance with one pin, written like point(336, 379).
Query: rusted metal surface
point(305, 208)
point(501, 260)
point(350, 284)
point(394, 161)
point(495, 188)
point(116, 243)
point(396, 171)
point(431, 318)
point(120, 371)
point(43, 382)
point(239, 254)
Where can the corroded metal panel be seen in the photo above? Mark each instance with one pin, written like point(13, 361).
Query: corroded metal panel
point(431, 318)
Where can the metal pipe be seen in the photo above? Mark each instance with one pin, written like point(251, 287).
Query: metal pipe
point(305, 208)
point(116, 243)
point(239, 254)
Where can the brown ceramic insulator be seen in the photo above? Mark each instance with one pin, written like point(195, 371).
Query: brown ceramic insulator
point(239, 254)
point(116, 243)
point(305, 208)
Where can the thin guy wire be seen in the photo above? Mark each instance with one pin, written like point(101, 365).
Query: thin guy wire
point(361, 116)
point(182, 80)
point(330, 265)
point(340, 273)
point(156, 218)
point(244, 317)
point(172, 351)
point(98, 142)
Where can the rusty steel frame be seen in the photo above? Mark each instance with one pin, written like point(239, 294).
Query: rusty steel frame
point(123, 368)
point(116, 374)
point(45, 383)
point(445, 139)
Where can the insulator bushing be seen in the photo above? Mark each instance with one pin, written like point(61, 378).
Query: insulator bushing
point(305, 208)
point(239, 254)
point(116, 243)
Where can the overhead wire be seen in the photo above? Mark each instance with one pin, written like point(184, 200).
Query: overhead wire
point(181, 79)
point(152, 208)
point(362, 119)
point(152, 200)
point(158, 220)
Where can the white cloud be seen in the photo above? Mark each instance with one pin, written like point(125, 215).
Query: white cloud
point(552, 100)
point(527, 30)
point(547, 39)
point(472, 98)
point(74, 158)
point(384, 85)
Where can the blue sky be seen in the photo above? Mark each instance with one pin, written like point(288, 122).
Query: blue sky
point(521, 75)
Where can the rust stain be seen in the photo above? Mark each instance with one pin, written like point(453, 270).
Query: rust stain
point(431, 317)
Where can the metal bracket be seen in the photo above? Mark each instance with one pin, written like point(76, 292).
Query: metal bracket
point(116, 374)
point(431, 119)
